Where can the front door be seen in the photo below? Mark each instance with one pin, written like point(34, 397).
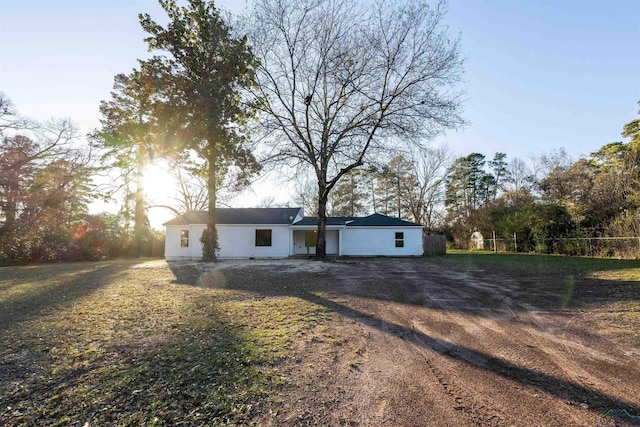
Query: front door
point(310, 238)
point(304, 242)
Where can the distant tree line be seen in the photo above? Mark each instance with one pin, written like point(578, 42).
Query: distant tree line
point(552, 203)
point(408, 185)
point(46, 184)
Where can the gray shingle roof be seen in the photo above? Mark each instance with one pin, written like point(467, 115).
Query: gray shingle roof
point(240, 216)
point(374, 220)
point(379, 220)
point(332, 220)
point(286, 216)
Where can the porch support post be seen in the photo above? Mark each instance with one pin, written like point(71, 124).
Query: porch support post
point(291, 242)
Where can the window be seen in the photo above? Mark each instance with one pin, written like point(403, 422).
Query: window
point(184, 239)
point(400, 240)
point(263, 237)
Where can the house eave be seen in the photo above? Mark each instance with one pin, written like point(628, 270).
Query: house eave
point(224, 225)
point(315, 227)
point(385, 226)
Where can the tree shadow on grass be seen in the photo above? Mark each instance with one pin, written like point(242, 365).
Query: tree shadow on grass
point(30, 291)
point(312, 287)
point(193, 368)
point(551, 282)
point(195, 379)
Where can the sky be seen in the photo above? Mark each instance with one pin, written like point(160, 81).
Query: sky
point(540, 75)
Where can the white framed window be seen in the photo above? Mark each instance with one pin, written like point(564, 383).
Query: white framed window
point(399, 239)
point(184, 238)
point(263, 237)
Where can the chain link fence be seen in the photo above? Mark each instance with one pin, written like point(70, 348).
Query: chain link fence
point(612, 247)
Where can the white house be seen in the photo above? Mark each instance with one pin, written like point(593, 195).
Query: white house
point(283, 232)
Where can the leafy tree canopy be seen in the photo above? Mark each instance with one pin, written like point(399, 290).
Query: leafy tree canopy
point(203, 101)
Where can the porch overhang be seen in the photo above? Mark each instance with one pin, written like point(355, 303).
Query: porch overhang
point(315, 227)
point(333, 230)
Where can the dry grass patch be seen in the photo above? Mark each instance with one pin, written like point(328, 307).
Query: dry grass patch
point(123, 343)
point(623, 275)
point(620, 321)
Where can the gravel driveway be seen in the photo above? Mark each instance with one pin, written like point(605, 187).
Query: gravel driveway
point(418, 345)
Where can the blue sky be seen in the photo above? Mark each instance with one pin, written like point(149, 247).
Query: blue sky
point(58, 58)
point(539, 74)
point(544, 74)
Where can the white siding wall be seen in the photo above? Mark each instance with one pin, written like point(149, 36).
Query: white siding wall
point(172, 248)
point(195, 243)
point(381, 241)
point(235, 241)
point(239, 241)
point(332, 242)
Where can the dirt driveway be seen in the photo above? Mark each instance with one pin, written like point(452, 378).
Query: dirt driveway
point(412, 344)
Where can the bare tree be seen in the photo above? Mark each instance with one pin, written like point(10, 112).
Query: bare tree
point(30, 147)
point(305, 195)
point(8, 113)
point(521, 177)
point(190, 192)
point(10, 120)
point(431, 167)
point(341, 81)
point(267, 202)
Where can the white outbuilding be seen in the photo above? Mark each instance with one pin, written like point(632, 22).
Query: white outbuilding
point(284, 232)
point(477, 241)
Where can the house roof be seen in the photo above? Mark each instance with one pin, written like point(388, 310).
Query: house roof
point(286, 216)
point(379, 220)
point(240, 216)
point(332, 220)
point(374, 220)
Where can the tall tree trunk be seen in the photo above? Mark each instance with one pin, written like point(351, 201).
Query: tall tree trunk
point(373, 196)
point(10, 206)
point(139, 219)
point(353, 195)
point(398, 194)
point(321, 242)
point(10, 209)
point(211, 234)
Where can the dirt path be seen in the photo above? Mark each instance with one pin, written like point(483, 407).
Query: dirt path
point(416, 345)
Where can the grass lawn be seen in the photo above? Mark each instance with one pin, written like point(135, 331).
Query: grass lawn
point(123, 343)
point(609, 268)
point(136, 344)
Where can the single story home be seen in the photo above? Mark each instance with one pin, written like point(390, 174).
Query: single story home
point(284, 232)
